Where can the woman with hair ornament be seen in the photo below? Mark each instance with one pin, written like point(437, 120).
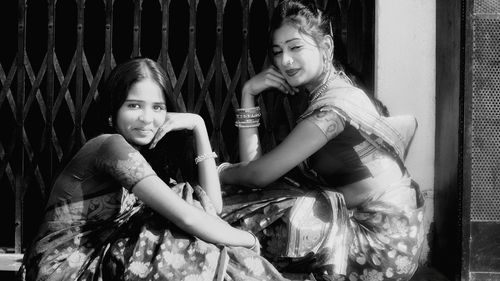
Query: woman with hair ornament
point(334, 200)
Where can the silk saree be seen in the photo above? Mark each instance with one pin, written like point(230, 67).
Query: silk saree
point(306, 228)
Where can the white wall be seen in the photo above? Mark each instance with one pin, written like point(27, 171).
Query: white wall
point(405, 71)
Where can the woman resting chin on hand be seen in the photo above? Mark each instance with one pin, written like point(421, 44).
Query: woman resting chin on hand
point(111, 217)
point(352, 211)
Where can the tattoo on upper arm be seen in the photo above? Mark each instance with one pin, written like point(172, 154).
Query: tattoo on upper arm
point(329, 122)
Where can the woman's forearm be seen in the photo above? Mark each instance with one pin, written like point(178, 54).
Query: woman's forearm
point(249, 143)
point(207, 169)
point(241, 173)
point(158, 196)
point(215, 230)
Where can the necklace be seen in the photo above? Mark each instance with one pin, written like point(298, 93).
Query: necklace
point(316, 93)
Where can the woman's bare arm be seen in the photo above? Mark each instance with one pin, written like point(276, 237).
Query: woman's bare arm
point(270, 78)
point(305, 139)
point(208, 176)
point(207, 170)
point(157, 195)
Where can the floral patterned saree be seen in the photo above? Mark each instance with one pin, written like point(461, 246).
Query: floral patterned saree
point(304, 225)
point(137, 244)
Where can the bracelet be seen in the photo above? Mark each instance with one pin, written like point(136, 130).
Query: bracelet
point(255, 242)
point(247, 121)
point(247, 125)
point(222, 167)
point(205, 156)
point(247, 117)
point(248, 110)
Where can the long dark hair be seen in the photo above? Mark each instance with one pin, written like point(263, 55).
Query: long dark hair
point(165, 156)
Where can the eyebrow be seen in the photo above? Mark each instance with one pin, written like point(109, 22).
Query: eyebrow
point(134, 100)
point(287, 41)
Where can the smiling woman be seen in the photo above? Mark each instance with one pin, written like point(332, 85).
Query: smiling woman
point(110, 216)
point(142, 114)
point(299, 56)
point(334, 198)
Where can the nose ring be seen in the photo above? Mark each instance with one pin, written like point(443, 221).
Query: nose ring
point(289, 62)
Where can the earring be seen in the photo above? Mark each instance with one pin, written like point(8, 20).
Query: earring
point(326, 64)
point(110, 121)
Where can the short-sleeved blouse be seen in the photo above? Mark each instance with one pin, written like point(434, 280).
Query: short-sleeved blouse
point(101, 169)
point(342, 160)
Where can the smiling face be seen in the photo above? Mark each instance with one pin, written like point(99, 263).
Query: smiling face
point(297, 56)
point(143, 112)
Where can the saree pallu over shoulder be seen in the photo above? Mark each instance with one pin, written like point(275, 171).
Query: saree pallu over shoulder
point(392, 134)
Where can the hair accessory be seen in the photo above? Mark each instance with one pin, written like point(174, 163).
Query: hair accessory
point(205, 156)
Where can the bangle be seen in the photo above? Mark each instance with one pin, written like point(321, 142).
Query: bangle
point(222, 167)
point(247, 117)
point(205, 156)
point(255, 241)
point(253, 124)
point(248, 110)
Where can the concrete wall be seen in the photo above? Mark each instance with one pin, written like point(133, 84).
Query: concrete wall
point(405, 71)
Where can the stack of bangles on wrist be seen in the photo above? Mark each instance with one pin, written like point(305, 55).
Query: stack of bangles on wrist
point(205, 156)
point(247, 117)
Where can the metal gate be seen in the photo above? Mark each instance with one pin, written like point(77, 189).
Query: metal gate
point(56, 54)
point(481, 207)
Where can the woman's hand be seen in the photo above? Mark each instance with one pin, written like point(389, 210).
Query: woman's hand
point(177, 121)
point(267, 79)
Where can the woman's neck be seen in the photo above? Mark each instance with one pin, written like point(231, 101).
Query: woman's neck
point(138, 147)
point(320, 80)
point(326, 80)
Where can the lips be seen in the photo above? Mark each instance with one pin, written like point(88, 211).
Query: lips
point(144, 131)
point(292, 72)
